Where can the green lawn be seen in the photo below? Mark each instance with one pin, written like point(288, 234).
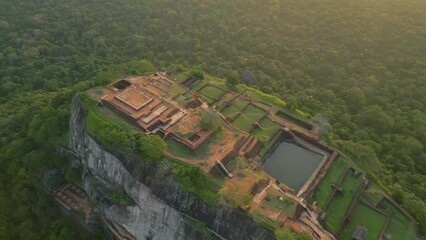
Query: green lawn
point(370, 197)
point(180, 77)
point(197, 85)
point(230, 111)
point(242, 123)
point(208, 100)
point(340, 203)
point(273, 201)
point(175, 89)
point(180, 150)
point(367, 217)
point(117, 118)
point(232, 164)
point(399, 226)
point(264, 135)
point(268, 123)
point(254, 113)
point(324, 188)
point(212, 92)
point(239, 103)
point(181, 99)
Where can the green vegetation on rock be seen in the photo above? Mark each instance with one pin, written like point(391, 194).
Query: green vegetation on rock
point(193, 180)
point(116, 137)
point(151, 146)
point(119, 197)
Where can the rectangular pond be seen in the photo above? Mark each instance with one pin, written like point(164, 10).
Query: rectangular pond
point(292, 165)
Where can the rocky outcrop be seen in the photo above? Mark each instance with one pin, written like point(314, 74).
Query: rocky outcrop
point(161, 209)
point(248, 78)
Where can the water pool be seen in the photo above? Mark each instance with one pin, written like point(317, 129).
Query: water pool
point(292, 164)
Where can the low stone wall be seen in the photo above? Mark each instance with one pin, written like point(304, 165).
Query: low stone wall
point(316, 142)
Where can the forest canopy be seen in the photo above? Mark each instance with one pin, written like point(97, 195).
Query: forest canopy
point(357, 66)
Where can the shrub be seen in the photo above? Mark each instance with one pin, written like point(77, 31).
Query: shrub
point(107, 132)
point(151, 146)
point(120, 197)
point(197, 72)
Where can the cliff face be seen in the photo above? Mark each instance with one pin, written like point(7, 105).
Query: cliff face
point(162, 209)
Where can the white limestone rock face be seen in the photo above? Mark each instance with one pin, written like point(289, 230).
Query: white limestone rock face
point(149, 218)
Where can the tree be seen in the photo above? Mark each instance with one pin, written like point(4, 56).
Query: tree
point(197, 72)
point(355, 98)
point(398, 193)
point(375, 117)
point(141, 67)
point(209, 120)
point(292, 103)
point(151, 146)
point(231, 81)
point(416, 206)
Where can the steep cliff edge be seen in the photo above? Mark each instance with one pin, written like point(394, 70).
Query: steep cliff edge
point(161, 209)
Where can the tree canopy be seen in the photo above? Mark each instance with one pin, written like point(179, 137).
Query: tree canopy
point(151, 146)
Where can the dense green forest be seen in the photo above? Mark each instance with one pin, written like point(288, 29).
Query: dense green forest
point(358, 66)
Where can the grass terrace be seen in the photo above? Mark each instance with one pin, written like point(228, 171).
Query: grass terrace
point(253, 113)
point(268, 131)
point(399, 226)
point(212, 93)
point(239, 103)
point(242, 122)
point(324, 188)
point(367, 217)
point(340, 203)
point(181, 99)
point(371, 198)
point(197, 86)
point(179, 150)
point(177, 89)
point(180, 77)
point(230, 111)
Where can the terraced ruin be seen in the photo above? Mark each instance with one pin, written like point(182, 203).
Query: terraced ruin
point(273, 162)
